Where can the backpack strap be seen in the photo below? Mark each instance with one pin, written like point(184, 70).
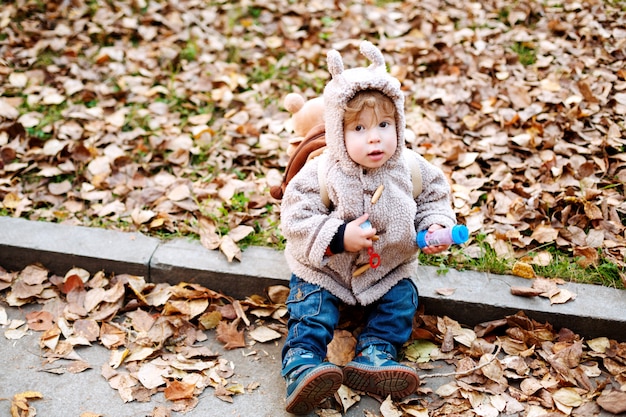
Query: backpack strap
point(321, 177)
point(416, 173)
point(409, 156)
point(307, 149)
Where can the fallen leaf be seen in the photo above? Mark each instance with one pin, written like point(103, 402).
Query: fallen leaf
point(522, 269)
point(562, 296)
point(264, 334)
point(613, 401)
point(228, 334)
point(20, 406)
point(78, 366)
point(445, 291)
point(39, 320)
point(599, 344)
point(176, 390)
point(419, 351)
point(340, 350)
point(230, 248)
point(389, 409)
point(526, 291)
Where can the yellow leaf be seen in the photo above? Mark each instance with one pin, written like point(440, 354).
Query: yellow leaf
point(11, 201)
point(524, 270)
point(567, 397)
point(20, 402)
point(599, 344)
point(28, 395)
point(117, 357)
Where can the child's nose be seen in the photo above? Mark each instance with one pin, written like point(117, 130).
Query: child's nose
point(373, 136)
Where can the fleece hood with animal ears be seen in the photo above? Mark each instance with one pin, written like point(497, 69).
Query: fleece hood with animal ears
point(344, 85)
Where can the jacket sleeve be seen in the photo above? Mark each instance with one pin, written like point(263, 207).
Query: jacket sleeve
point(306, 223)
point(434, 205)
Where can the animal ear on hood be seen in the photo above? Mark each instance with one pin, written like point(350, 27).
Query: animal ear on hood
point(335, 64)
point(373, 54)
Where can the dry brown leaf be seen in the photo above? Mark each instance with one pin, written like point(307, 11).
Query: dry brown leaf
point(562, 296)
point(161, 411)
point(177, 390)
point(230, 249)
point(78, 366)
point(33, 275)
point(241, 314)
point(613, 401)
point(278, 294)
point(111, 336)
point(224, 394)
point(228, 334)
point(39, 320)
point(341, 347)
point(264, 334)
point(526, 291)
point(445, 291)
point(88, 329)
point(210, 320)
point(240, 232)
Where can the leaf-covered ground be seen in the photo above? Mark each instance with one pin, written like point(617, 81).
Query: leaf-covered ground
point(156, 336)
point(166, 116)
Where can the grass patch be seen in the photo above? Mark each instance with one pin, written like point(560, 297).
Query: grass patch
point(526, 53)
point(562, 266)
point(190, 51)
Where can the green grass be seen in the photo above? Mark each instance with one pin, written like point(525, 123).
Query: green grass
point(265, 235)
point(561, 266)
point(526, 53)
point(190, 51)
point(51, 114)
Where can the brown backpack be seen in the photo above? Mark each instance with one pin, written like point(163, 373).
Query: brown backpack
point(312, 146)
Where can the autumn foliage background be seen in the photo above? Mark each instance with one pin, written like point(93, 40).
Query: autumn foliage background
point(166, 117)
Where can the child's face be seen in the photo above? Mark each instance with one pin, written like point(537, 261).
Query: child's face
point(371, 140)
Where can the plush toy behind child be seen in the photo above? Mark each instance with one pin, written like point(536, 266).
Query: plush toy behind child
point(305, 115)
point(309, 136)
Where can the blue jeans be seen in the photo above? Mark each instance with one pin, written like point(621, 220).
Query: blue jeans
point(314, 314)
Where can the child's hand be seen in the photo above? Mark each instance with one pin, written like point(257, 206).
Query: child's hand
point(355, 238)
point(431, 250)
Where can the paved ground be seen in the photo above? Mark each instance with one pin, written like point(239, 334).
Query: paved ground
point(70, 395)
point(597, 311)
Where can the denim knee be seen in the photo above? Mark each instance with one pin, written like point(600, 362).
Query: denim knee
point(390, 320)
point(313, 316)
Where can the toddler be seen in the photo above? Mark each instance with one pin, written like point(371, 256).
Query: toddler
point(361, 250)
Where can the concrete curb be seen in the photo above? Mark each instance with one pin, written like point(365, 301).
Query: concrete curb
point(478, 297)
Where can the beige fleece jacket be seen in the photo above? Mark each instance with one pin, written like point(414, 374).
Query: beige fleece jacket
point(309, 226)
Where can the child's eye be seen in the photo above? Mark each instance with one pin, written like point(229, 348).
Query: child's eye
point(358, 128)
point(384, 124)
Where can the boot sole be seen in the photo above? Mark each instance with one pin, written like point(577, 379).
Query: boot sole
point(397, 381)
point(320, 384)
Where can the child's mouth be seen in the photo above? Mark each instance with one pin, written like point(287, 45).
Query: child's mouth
point(376, 155)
